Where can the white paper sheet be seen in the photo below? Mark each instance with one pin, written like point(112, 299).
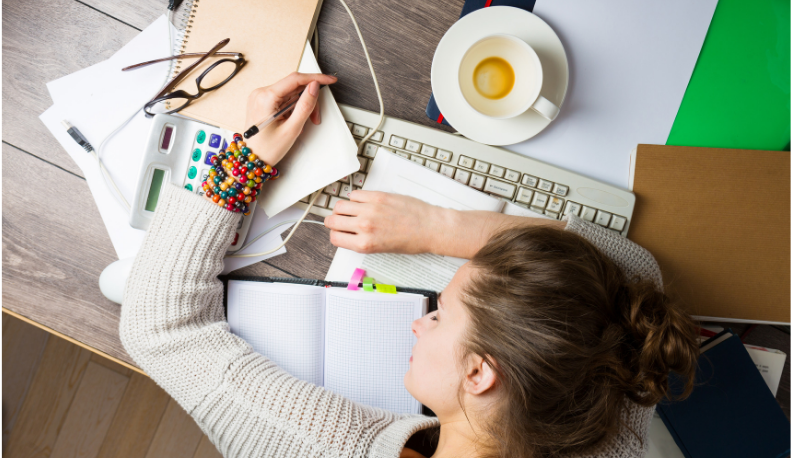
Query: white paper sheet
point(629, 63)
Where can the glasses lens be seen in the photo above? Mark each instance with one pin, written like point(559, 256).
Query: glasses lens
point(167, 106)
point(218, 75)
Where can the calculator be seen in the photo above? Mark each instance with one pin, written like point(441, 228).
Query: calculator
point(179, 151)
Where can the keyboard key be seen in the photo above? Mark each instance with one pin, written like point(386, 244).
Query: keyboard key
point(444, 156)
point(497, 171)
point(358, 179)
point(587, 213)
point(573, 208)
point(333, 189)
point(412, 146)
point(344, 179)
point(432, 165)
point(447, 170)
point(551, 214)
point(560, 189)
point(418, 159)
point(602, 218)
point(531, 181)
point(545, 185)
point(363, 163)
point(345, 191)
point(539, 200)
point(477, 181)
point(512, 175)
point(462, 176)
point(305, 199)
point(402, 154)
point(499, 187)
point(429, 151)
point(370, 164)
point(359, 131)
point(465, 161)
point(481, 166)
point(370, 150)
point(334, 200)
point(398, 142)
point(525, 195)
point(618, 223)
point(322, 200)
point(350, 126)
point(555, 204)
point(377, 137)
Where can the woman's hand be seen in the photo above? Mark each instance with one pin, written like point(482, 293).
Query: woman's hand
point(273, 142)
point(378, 222)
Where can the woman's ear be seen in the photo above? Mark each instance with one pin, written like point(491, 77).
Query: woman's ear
point(480, 376)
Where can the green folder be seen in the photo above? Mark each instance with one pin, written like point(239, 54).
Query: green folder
point(738, 96)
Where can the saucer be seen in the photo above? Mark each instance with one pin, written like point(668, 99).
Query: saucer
point(463, 34)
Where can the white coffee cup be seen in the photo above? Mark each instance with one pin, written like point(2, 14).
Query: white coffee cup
point(528, 77)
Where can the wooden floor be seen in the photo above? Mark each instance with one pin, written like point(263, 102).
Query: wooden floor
point(61, 400)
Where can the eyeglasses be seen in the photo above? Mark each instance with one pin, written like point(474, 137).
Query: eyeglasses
point(209, 80)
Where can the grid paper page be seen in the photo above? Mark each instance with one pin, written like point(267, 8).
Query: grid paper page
point(368, 344)
point(283, 322)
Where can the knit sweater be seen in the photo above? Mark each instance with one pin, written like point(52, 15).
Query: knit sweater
point(173, 325)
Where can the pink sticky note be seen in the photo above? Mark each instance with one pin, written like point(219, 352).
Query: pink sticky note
point(357, 276)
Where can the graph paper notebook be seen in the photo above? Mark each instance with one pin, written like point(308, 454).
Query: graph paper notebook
point(353, 343)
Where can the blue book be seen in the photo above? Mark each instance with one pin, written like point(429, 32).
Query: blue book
point(432, 110)
point(731, 412)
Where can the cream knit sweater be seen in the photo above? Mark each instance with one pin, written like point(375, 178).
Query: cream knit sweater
point(173, 325)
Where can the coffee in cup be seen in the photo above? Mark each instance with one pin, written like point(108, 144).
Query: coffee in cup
point(500, 76)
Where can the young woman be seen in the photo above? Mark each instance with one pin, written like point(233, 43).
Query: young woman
point(554, 340)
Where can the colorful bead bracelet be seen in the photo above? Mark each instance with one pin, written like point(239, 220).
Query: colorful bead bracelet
point(236, 176)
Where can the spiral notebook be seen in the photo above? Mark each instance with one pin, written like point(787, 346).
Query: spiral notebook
point(270, 34)
point(353, 343)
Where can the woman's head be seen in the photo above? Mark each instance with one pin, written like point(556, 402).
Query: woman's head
point(540, 339)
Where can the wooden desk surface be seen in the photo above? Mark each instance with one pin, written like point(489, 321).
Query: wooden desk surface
point(55, 244)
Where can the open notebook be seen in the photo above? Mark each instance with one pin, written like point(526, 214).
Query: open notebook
point(354, 343)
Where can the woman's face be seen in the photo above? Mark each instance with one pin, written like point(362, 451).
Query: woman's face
point(434, 372)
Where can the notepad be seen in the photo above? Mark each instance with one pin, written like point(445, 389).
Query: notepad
point(353, 343)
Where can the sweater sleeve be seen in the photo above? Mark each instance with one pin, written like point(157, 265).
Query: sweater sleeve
point(173, 325)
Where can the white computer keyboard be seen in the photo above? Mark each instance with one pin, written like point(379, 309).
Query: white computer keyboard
point(526, 182)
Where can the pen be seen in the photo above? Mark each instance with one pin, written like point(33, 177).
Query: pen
point(77, 136)
point(288, 107)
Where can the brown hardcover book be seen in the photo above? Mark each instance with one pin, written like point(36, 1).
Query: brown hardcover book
point(271, 35)
point(717, 221)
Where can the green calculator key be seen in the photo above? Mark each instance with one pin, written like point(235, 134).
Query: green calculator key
point(201, 136)
point(192, 173)
point(196, 155)
point(188, 187)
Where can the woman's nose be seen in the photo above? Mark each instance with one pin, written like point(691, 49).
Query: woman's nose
point(417, 327)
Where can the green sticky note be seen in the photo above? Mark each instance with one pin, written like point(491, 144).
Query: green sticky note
point(368, 284)
point(389, 289)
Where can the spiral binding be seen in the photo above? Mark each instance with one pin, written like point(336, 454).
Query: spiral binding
point(183, 24)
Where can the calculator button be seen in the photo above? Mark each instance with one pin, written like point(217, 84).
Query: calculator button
point(235, 239)
point(429, 151)
point(363, 163)
point(499, 187)
point(572, 208)
point(587, 213)
point(462, 176)
point(525, 195)
point(192, 173)
point(444, 156)
point(322, 200)
point(477, 181)
point(602, 218)
point(377, 136)
point(555, 204)
point(359, 131)
point(370, 150)
point(412, 146)
point(465, 161)
point(188, 187)
point(617, 223)
point(333, 189)
point(204, 175)
point(497, 171)
point(214, 141)
point(201, 137)
point(208, 158)
point(432, 165)
point(512, 175)
point(358, 179)
point(560, 189)
point(196, 155)
point(481, 166)
point(398, 142)
point(402, 154)
point(224, 144)
point(539, 200)
point(418, 159)
point(545, 185)
point(447, 170)
point(531, 181)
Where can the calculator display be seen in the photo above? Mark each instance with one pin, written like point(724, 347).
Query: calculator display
point(153, 191)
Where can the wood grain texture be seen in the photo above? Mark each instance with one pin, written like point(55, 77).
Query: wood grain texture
point(178, 435)
point(113, 366)
point(51, 393)
point(52, 259)
point(206, 449)
point(23, 346)
point(136, 420)
point(91, 412)
point(39, 45)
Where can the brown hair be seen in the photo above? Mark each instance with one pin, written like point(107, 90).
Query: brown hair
point(570, 338)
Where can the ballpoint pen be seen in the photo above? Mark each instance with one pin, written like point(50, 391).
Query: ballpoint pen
point(288, 106)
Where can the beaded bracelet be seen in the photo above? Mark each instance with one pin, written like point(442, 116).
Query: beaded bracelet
point(236, 176)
